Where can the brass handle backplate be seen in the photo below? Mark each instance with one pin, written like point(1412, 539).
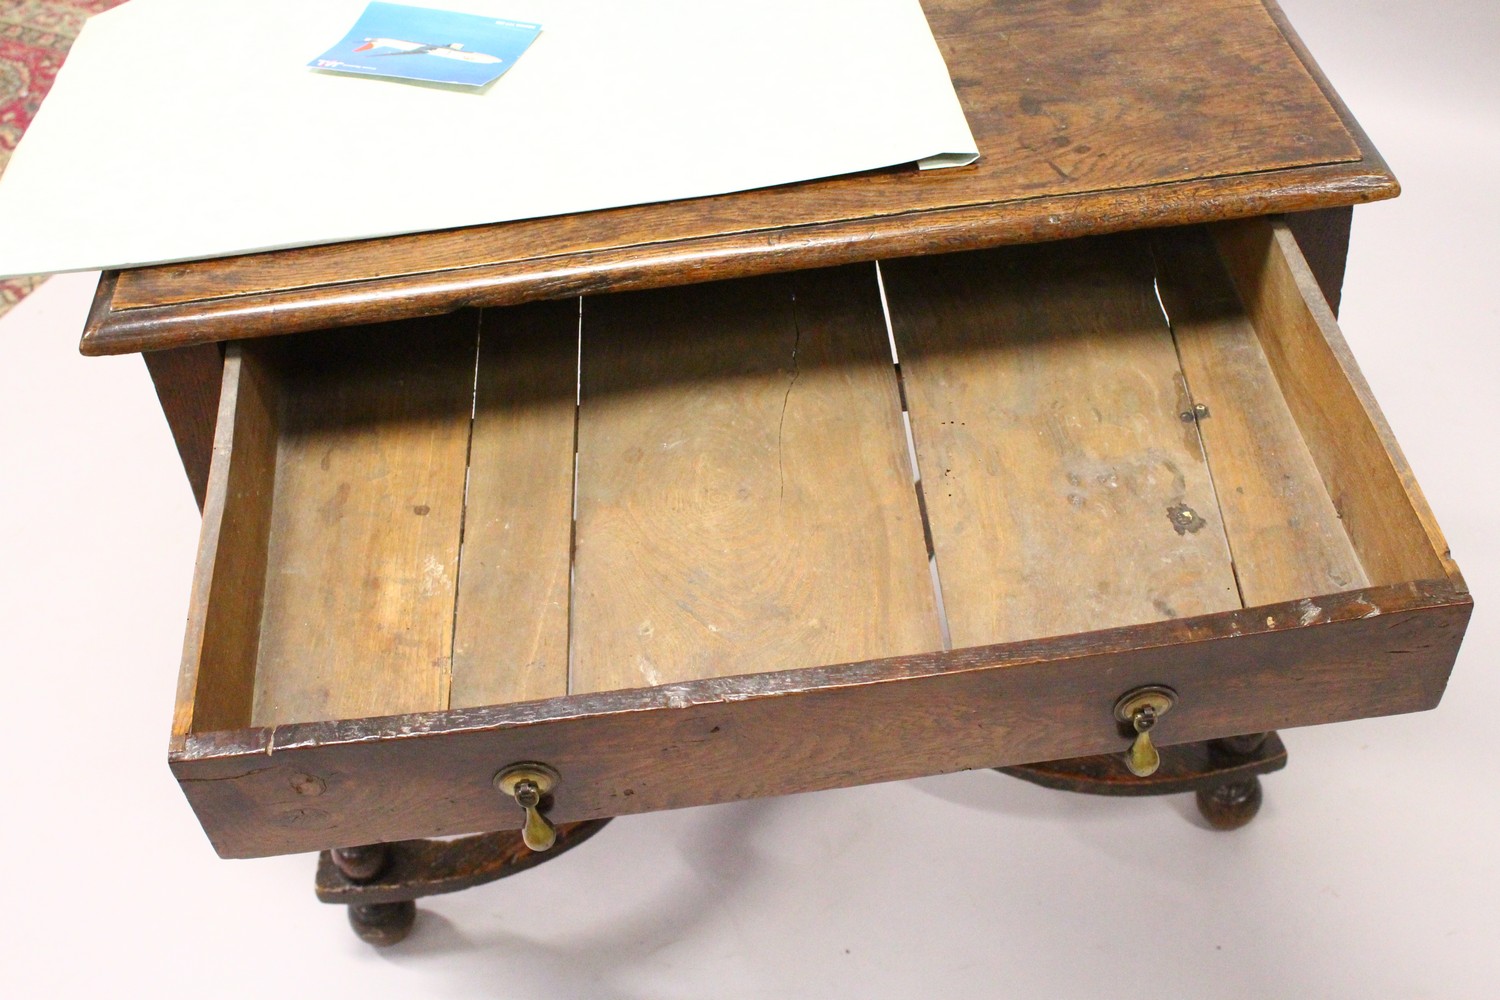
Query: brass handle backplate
point(1140, 709)
point(529, 784)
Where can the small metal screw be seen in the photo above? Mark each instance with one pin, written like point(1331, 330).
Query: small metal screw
point(1200, 410)
point(1187, 515)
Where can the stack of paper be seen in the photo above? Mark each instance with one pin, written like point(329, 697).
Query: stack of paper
point(180, 129)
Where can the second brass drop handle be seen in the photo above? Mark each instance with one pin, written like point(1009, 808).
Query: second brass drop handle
point(1140, 709)
point(528, 784)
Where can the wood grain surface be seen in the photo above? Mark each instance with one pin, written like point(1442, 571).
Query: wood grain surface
point(216, 684)
point(187, 385)
point(511, 633)
point(745, 500)
point(1099, 94)
point(1382, 508)
point(363, 554)
point(1284, 532)
point(742, 466)
point(1323, 238)
point(309, 787)
point(1063, 489)
point(728, 432)
point(1091, 116)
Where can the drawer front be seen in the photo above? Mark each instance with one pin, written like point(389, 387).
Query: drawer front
point(307, 787)
point(750, 555)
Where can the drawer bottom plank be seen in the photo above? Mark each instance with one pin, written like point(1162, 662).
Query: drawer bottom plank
point(363, 549)
point(510, 639)
point(1284, 531)
point(1063, 488)
point(745, 498)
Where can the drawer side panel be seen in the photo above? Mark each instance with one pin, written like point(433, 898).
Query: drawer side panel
point(217, 680)
point(1377, 497)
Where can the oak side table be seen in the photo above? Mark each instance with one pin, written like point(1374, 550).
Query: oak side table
point(513, 529)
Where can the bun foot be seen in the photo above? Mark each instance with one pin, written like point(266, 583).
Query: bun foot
point(382, 924)
point(1232, 805)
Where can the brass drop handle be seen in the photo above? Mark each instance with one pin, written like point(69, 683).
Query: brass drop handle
point(1143, 760)
point(529, 784)
point(1140, 709)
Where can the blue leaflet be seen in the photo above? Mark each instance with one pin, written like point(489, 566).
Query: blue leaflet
point(433, 46)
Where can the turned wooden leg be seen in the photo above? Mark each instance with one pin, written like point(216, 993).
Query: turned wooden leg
point(360, 864)
point(380, 924)
point(1232, 804)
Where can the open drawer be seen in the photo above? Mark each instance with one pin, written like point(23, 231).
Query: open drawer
point(709, 543)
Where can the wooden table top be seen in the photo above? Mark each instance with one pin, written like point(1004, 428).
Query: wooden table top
point(1091, 116)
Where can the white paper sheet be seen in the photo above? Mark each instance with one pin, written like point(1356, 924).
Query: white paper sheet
point(183, 129)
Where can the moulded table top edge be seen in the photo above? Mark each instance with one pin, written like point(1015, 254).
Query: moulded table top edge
point(1215, 157)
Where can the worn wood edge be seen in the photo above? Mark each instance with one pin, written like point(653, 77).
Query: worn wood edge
point(1239, 245)
point(1346, 666)
point(100, 307)
point(736, 255)
point(1287, 615)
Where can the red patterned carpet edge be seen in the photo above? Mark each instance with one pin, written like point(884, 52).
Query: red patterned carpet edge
point(34, 38)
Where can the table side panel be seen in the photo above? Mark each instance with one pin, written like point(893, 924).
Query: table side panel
point(1323, 238)
point(187, 385)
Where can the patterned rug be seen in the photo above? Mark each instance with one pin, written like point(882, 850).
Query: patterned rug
point(34, 38)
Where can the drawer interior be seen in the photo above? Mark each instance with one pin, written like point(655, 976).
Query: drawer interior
point(826, 467)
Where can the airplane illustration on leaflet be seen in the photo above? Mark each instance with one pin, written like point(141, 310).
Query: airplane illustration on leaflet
point(453, 50)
